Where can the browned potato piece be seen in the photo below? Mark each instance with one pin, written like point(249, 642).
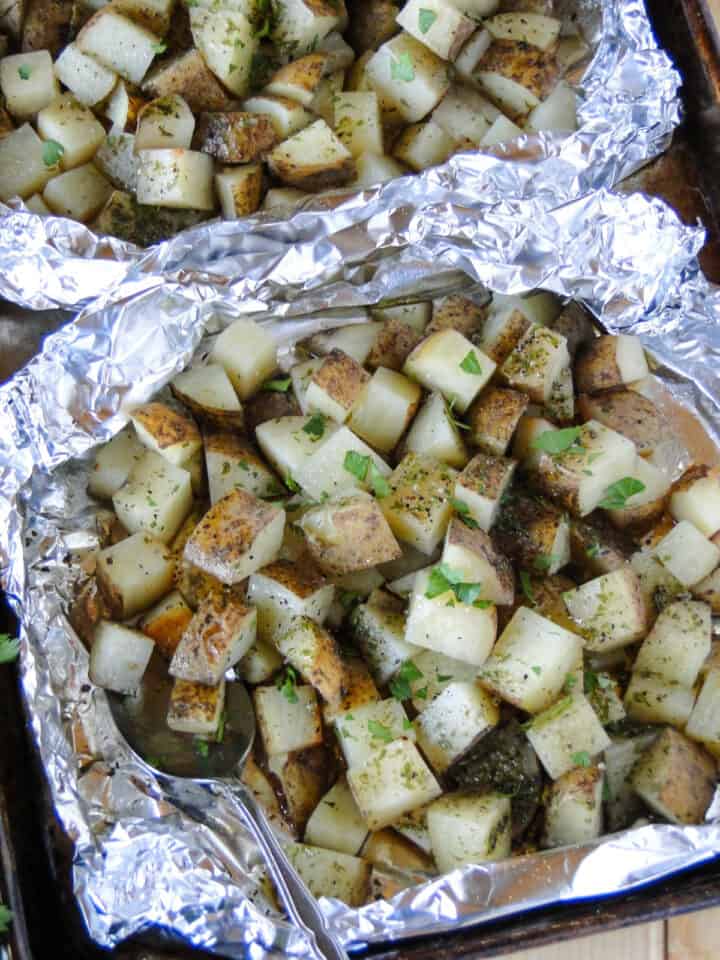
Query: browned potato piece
point(546, 594)
point(269, 405)
point(235, 136)
point(335, 386)
point(393, 345)
point(187, 75)
point(6, 124)
point(87, 610)
point(471, 551)
point(196, 586)
point(304, 777)
point(313, 652)
point(574, 323)
point(358, 688)
point(313, 159)
point(195, 708)
point(493, 418)
point(532, 68)
point(387, 848)
point(709, 591)
point(167, 432)
point(372, 22)
point(47, 25)
point(628, 413)
point(299, 79)
point(531, 529)
point(597, 549)
point(166, 623)
point(259, 783)
point(610, 362)
point(676, 778)
point(502, 332)
point(349, 534)
point(219, 634)
point(143, 224)
point(458, 313)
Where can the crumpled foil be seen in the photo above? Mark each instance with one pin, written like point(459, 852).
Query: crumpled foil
point(628, 107)
point(171, 859)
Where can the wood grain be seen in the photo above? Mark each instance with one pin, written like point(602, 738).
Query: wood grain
point(632, 943)
point(694, 936)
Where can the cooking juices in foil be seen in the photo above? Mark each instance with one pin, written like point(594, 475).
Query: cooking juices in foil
point(177, 860)
point(628, 107)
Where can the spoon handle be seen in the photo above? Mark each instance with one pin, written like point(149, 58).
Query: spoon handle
point(300, 904)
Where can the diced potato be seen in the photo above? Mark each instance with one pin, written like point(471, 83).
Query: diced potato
point(561, 404)
point(704, 722)
point(609, 362)
point(188, 75)
point(384, 409)
point(79, 193)
point(678, 644)
point(409, 79)
point(209, 394)
point(471, 552)
point(598, 549)
point(339, 465)
point(531, 28)
point(606, 700)
point(438, 24)
point(247, 353)
point(557, 113)
point(644, 509)
point(226, 39)
point(287, 116)
point(461, 115)
point(312, 159)
point(456, 313)
point(622, 804)
point(418, 508)
point(219, 634)
point(423, 145)
point(444, 623)
point(177, 178)
point(366, 730)
point(336, 823)
point(430, 672)
point(574, 809)
point(303, 777)
point(676, 778)
point(133, 574)
point(118, 44)
point(653, 700)
point(259, 663)
point(27, 82)
point(357, 122)
point(195, 707)
point(472, 53)
point(533, 531)
point(435, 434)
point(696, 498)
point(283, 591)
point(355, 340)
point(568, 734)
point(166, 622)
point(348, 534)
point(259, 783)
point(239, 190)
point(610, 610)
point(380, 634)
point(329, 873)
point(285, 724)
point(301, 24)
point(469, 828)
point(116, 159)
point(530, 661)
point(494, 417)
point(502, 130)
point(123, 106)
point(299, 79)
point(119, 657)
point(87, 79)
point(455, 720)
point(114, 461)
point(512, 96)
point(707, 590)
point(358, 689)
point(629, 413)
point(687, 554)
point(448, 362)
point(389, 848)
point(372, 169)
point(36, 204)
point(287, 444)
point(312, 651)
point(236, 537)
point(504, 330)
point(393, 344)
point(233, 464)
point(235, 136)
point(335, 386)
point(156, 497)
point(482, 485)
point(165, 123)
point(301, 375)
point(162, 429)
point(535, 363)
point(393, 782)
point(658, 585)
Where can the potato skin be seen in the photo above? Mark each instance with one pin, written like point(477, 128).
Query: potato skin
point(372, 22)
point(235, 136)
point(341, 377)
point(532, 68)
point(526, 528)
point(683, 775)
point(597, 549)
point(47, 25)
point(305, 73)
point(393, 345)
point(268, 405)
point(302, 780)
point(494, 416)
point(457, 313)
point(479, 542)
point(362, 537)
point(166, 426)
point(187, 75)
point(313, 177)
point(628, 413)
point(596, 368)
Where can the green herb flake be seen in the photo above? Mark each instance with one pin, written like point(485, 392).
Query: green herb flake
point(426, 18)
point(5, 918)
point(291, 484)
point(280, 385)
point(443, 578)
point(24, 72)
point(315, 427)
point(202, 749)
point(618, 494)
point(536, 670)
point(158, 48)
point(544, 561)
point(52, 151)
point(220, 734)
point(380, 486)
point(581, 758)
point(556, 441)
point(470, 364)
point(379, 731)
point(357, 464)
point(402, 68)
point(463, 511)
point(570, 682)
point(407, 724)
point(9, 648)
point(593, 550)
point(526, 584)
point(287, 683)
point(400, 686)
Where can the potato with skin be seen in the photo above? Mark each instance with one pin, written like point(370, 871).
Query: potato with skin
point(532, 70)
point(239, 190)
point(469, 828)
point(300, 24)
point(567, 733)
point(166, 622)
point(207, 392)
point(384, 409)
point(23, 170)
point(574, 809)
point(358, 689)
point(311, 650)
point(348, 534)
point(438, 24)
point(390, 848)
point(704, 722)
point(676, 778)
point(696, 498)
point(219, 634)
point(335, 386)
point(687, 554)
point(262, 789)
point(435, 434)
point(235, 136)
point(610, 362)
point(643, 509)
point(534, 364)
point(269, 405)
point(448, 362)
point(364, 732)
point(454, 722)
point(283, 591)
point(534, 532)
point(133, 574)
point(73, 126)
point(394, 343)
point(118, 43)
point(312, 159)
point(167, 432)
point(610, 610)
point(46, 25)
point(471, 552)
point(598, 549)
point(195, 707)
point(299, 79)
point(175, 177)
point(303, 776)
point(233, 463)
point(287, 726)
point(372, 22)
point(425, 80)
point(482, 485)
point(187, 75)
point(456, 312)
point(417, 507)
point(290, 441)
point(650, 699)
point(236, 537)
point(503, 330)
point(493, 418)
point(628, 413)
point(678, 644)
point(118, 657)
point(330, 873)
point(248, 354)
point(156, 498)
point(379, 632)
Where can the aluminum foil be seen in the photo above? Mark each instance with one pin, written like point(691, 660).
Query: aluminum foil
point(628, 107)
point(153, 857)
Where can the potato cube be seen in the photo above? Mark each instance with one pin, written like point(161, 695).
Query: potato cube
point(114, 461)
point(622, 804)
point(195, 707)
point(568, 734)
point(166, 622)
point(235, 136)
point(503, 330)
point(461, 114)
point(696, 498)
point(439, 620)
point(239, 190)
point(574, 809)
point(313, 652)
point(355, 340)
point(678, 644)
point(247, 353)
point(73, 126)
point(177, 178)
point(644, 509)
point(454, 722)
point(162, 429)
point(335, 386)
point(676, 778)
point(482, 485)
point(534, 364)
point(283, 591)
point(153, 14)
point(372, 170)
point(379, 632)
point(118, 44)
point(187, 74)
point(285, 723)
point(533, 531)
point(348, 534)
point(531, 661)
point(435, 434)
point(658, 585)
point(303, 777)
point(366, 730)
point(418, 506)
point(301, 375)
point(423, 145)
point(357, 122)
point(471, 553)
point(409, 79)
point(27, 82)
point(341, 464)
point(287, 116)
point(473, 51)
point(531, 28)
point(610, 610)
point(336, 823)
point(210, 396)
point(384, 409)
point(314, 158)
point(428, 674)
point(260, 662)
point(133, 574)
point(79, 193)
point(393, 344)
point(494, 417)
point(87, 79)
point(119, 657)
point(448, 362)
point(156, 497)
point(219, 634)
point(329, 873)
point(23, 170)
point(469, 828)
point(226, 39)
point(687, 554)
point(458, 313)
point(393, 782)
point(557, 113)
point(116, 160)
point(36, 204)
point(301, 24)
point(233, 464)
point(651, 699)
point(288, 442)
point(438, 24)
point(704, 722)
point(165, 123)
point(610, 362)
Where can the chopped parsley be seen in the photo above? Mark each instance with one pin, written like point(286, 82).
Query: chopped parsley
point(570, 682)
point(581, 758)
point(52, 151)
point(618, 494)
point(5, 915)
point(400, 686)
point(593, 550)
point(315, 427)
point(9, 648)
point(557, 441)
point(220, 733)
point(202, 749)
point(402, 68)
point(365, 469)
point(536, 670)
point(379, 731)
point(544, 561)
point(24, 72)
point(443, 578)
point(526, 584)
point(158, 48)
point(463, 511)
point(291, 484)
point(280, 385)
point(426, 18)
point(470, 363)
point(287, 684)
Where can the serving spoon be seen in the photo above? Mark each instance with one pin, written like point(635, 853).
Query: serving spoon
point(141, 719)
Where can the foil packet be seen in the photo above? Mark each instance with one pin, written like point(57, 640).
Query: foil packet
point(171, 859)
point(628, 108)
